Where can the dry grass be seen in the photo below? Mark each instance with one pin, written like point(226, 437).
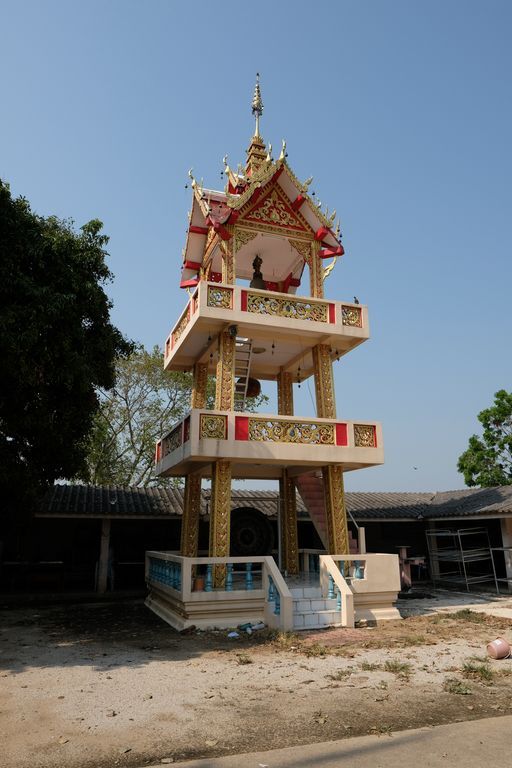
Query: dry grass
point(481, 672)
point(453, 685)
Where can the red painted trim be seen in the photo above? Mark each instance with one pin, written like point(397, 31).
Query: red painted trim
point(189, 283)
point(241, 427)
point(234, 215)
point(326, 253)
point(341, 434)
point(277, 174)
point(295, 282)
point(321, 233)
point(195, 265)
point(332, 313)
point(198, 230)
point(298, 202)
point(216, 277)
point(270, 286)
point(243, 301)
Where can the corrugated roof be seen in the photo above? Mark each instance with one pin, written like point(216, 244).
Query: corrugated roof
point(114, 501)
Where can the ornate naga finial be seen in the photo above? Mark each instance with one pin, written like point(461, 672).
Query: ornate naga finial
point(282, 154)
point(257, 104)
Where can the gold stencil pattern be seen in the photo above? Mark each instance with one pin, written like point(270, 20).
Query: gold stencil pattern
point(302, 247)
point(364, 436)
point(199, 383)
point(274, 211)
point(352, 316)
point(219, 297)
point(213, 426)
point(289, 524)
point(180, 328)
point(281, 431)
point(285, 394)
point(225, 383)
point(336, 516)
point(296, 309)
point(324, 384)
point(242, 237)
point(190, 519)
point(220, 516)
point(172, 441)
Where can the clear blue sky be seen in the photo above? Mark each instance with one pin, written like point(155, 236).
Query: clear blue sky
point(401, 110)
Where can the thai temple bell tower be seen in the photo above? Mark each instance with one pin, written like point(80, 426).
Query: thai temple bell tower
point(254, 266)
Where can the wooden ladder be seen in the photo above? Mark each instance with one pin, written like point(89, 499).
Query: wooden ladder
point(243, 356)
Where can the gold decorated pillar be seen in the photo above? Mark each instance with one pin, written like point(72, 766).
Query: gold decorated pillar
point(190, 518)
point(289, 533)
point(316, 271)
point(285, 393)
point(199, 383)
point(228, 259)
point(220, 516)
point(287, 493)
point(225, 383)
point(335, 513)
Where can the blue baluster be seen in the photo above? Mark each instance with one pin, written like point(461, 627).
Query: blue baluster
point(277, 606)
point(338, 600)
point(311, 560)
point(248, 577)
point(341, 566)
point(173, 575)
point(208, 586)
point(229, 577)
point(178, 575)
point(358, 570)
point(331, 594)
point(271, 589)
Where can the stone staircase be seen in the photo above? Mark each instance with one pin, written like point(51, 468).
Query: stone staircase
point(311, 610)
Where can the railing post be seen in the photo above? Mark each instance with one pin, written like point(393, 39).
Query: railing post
point(271, 589)
point(358, 570)
point(229, 577)
point(208, 581)
point(248, 576)
point(331, 594)
point(277, 608)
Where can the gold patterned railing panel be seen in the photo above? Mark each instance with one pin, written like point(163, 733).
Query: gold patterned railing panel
point(364, 436)
point(172, 441)
point(182, 324)
point(221, 298)
point(352, 316)
point(303, 432)
point(213, 426)
point(297, 309)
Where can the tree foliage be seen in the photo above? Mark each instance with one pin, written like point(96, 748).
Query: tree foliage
point(144, 405)
point(57, 345)
point(488, 460)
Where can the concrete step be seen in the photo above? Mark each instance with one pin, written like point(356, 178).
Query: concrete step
point(316, 620)
point(301, 592)
point(306, 605)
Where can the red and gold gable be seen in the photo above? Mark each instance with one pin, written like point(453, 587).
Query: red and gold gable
point(274, 209)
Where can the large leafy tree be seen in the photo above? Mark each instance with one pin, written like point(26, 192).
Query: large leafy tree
point(144, 404)
point(57, 346)
point(488, 460)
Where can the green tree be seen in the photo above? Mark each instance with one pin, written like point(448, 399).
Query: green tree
point(488, 460)
point(144, 404)
point(57, 346)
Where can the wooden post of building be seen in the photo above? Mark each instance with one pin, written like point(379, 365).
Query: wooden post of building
point(101, 585)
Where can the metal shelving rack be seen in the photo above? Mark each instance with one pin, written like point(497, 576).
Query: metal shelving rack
point(462, 557)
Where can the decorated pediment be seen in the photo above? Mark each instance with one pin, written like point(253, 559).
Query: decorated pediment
point(274, 210)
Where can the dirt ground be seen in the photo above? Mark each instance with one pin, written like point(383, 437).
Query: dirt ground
point(111, 685)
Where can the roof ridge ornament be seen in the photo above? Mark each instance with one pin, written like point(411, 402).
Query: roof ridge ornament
point(257, 104)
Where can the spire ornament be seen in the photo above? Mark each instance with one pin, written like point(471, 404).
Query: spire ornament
point(257, 104)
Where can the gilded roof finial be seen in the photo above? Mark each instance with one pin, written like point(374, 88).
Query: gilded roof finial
point(257, 104)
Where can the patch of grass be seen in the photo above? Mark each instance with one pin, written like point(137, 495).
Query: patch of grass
point(480, 672)
point(341, 674)
point(381, 730)
point(399, 668)
point(243, 658)
point(315, 650)
point(414, 640)
point(452, 685)
point(283, 640)
point(367, 666)
point(468, 615)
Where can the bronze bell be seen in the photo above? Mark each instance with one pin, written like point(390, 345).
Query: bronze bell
point(257, 278)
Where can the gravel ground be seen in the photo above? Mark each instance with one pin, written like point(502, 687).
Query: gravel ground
point(106, 685)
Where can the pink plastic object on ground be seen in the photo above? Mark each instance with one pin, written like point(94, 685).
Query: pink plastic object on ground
point(498, 649)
